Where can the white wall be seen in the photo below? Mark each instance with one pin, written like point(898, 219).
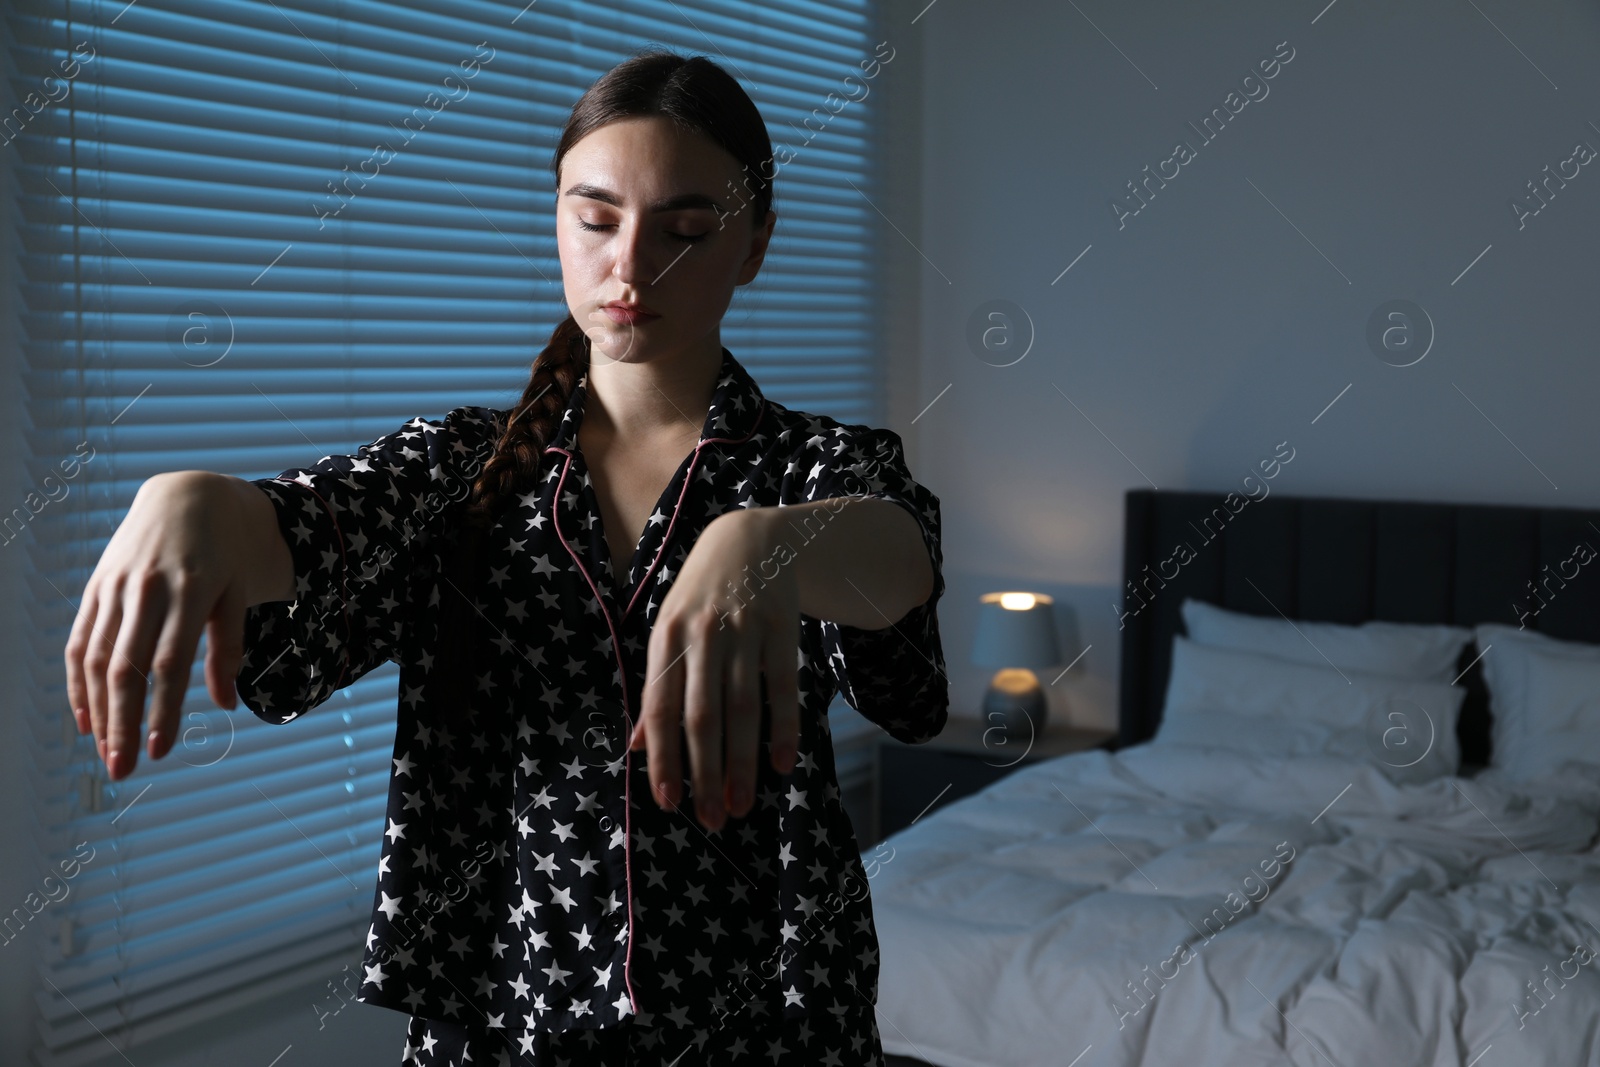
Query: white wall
point(1228, 313)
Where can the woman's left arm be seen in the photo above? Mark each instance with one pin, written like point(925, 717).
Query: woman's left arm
point(733, 616)
point(859, 561)
point(860, 564)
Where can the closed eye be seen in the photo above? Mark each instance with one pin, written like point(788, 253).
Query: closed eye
point(689, 237)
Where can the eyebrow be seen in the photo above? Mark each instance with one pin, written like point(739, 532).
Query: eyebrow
point(671, 203)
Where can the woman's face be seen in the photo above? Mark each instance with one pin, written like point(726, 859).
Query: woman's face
point(649, 214)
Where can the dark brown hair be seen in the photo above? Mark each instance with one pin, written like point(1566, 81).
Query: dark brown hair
point(698, 96)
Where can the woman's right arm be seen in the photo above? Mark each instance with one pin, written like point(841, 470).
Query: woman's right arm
point(194, 551)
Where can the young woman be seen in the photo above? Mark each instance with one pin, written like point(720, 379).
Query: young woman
point(644, 563)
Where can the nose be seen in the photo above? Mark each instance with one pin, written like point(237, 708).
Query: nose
point(638, 262)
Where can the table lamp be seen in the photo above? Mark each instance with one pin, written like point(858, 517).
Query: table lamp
point(1016, 632)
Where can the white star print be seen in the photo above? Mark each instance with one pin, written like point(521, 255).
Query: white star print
point(481, 781)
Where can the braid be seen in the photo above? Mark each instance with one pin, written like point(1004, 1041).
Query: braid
point(519, 452)
point(512, 469)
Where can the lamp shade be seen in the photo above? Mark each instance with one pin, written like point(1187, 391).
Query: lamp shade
point(1016, 630)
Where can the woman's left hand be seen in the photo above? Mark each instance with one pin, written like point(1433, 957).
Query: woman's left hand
point(723, 624)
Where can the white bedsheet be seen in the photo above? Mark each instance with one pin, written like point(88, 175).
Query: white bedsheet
point(1400, 925)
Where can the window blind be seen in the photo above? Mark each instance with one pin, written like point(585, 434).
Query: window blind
point(222, 271)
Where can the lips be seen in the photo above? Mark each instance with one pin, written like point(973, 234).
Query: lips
point(627, 315)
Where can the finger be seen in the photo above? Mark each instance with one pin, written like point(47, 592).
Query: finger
point(742, 722)
point(102, 639)
point(702, 719)
point(170, 668)
point(129, 675)
point(225, 647)
point(77, 648)
point(659, 714)
point(780, 661)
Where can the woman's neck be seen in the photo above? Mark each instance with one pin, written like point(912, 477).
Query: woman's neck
point(650, 400)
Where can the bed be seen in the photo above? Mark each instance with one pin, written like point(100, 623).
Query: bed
point(1278, 889)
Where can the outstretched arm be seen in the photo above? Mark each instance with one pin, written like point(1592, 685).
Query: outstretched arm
point(195, 550)
point(733, 615)
point(859, 561)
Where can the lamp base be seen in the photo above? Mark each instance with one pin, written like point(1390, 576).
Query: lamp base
point(1015, 704)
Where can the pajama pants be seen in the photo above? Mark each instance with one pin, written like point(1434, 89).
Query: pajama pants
point(826, 1039)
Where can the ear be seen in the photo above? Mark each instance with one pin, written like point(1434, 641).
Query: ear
point(758, 250)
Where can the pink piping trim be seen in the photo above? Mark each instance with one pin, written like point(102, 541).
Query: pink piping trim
point(643, 579)
point(616, 645)
point(627, 774)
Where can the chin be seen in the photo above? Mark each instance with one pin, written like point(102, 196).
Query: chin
point(623, 345)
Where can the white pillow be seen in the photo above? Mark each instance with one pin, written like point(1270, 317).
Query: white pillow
point(1419, 652)
point(1261, 704)
point(1536, 698)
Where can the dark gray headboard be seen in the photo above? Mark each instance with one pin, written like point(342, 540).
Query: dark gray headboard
point(1347, 560)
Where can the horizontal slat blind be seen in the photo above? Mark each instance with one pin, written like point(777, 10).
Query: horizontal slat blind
point(198, 294)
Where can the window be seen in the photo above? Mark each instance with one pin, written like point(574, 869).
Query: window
point(221, 270)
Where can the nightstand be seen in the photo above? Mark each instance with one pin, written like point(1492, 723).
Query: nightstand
point(915, 779)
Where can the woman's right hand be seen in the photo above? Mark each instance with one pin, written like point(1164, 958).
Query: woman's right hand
point(194, 551)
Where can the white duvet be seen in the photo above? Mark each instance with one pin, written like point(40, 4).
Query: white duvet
point(1192, 906)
